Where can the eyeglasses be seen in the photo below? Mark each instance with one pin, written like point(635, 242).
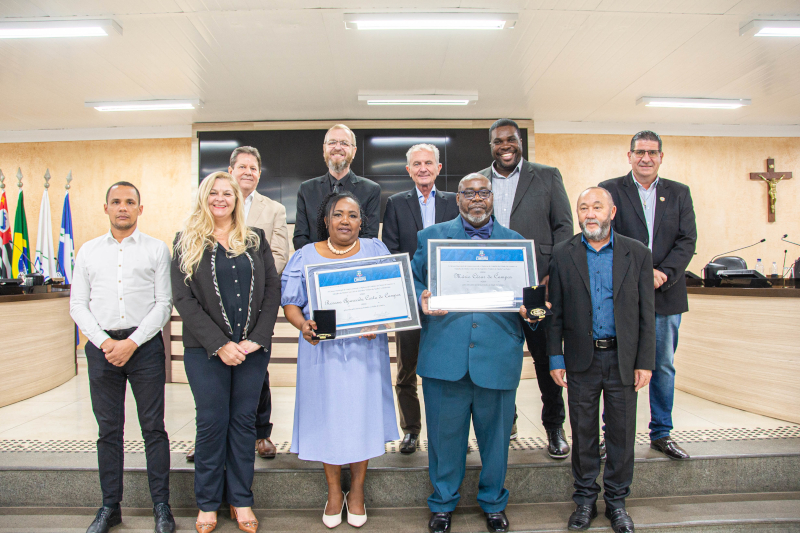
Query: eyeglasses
point(652, 153)
point(344, 144)
point(483, 194)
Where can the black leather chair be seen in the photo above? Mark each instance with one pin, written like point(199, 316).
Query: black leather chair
point(732, 262)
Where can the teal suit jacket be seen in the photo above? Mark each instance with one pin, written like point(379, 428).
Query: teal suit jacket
point(487, 345)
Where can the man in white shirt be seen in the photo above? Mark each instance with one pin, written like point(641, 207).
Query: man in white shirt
point(121, 298)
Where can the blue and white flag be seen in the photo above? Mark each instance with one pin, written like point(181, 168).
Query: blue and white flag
point(45, 260)
point(66, 244)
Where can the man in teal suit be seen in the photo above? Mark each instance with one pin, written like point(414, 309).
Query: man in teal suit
point(470, 365)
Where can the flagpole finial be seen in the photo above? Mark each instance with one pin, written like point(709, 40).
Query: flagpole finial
point(2, 179)
point(69, 178)
point(19, 178)
point(47, 179)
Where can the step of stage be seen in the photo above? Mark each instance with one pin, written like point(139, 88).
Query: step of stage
point(761, 461)
point(765, 512)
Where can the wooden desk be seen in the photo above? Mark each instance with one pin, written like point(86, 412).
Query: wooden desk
point(741, 348)
point(37, 344)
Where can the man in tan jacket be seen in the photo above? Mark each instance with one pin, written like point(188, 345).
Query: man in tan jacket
point(270, 216)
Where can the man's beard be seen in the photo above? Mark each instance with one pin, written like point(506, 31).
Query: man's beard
point(339, 166)
point(476, 220)
point(600, 234)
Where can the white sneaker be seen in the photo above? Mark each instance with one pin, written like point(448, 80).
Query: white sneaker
point(356, 520)
point(331, 521)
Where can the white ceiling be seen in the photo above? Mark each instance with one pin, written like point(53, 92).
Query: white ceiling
point(582, 61)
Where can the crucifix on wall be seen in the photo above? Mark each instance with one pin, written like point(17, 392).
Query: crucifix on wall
point(771, 178)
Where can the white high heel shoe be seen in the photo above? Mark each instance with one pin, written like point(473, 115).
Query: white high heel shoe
point(355, 520)
point(331, 521)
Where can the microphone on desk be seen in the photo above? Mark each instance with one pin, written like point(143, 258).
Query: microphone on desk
point(783, 268)
point(790, 242)
point(742, 248)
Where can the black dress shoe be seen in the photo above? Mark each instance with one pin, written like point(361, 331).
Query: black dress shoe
point(496, 522)
point(105, 519)
point(603, 450)
point(440, 522)
point(190, 454)
point(582, 518)
point(620, 520)
point(409, 444)
point(557, 445)
point(670, 448)
point(165, 523)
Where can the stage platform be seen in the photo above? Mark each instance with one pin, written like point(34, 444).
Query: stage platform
point(744, 474)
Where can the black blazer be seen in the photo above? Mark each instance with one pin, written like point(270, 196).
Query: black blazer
point(200, 307)
point(674, 234)
point(313, 191)
point(403, 219)
point(541, 210)
point(634, 316)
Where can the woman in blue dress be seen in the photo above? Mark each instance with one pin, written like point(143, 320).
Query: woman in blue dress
point(344, 409)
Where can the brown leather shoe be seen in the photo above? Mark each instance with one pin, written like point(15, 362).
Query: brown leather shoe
point(265, 449)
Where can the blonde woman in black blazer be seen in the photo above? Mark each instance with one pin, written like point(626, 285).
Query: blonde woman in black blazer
point(227, 291)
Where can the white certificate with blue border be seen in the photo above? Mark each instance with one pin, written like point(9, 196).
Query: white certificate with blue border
point(365, 296)
point(470, 270)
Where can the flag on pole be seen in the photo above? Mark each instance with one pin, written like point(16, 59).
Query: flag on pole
point(20, 260)
point(66, 244)
point(5, 238)
point(45, 260)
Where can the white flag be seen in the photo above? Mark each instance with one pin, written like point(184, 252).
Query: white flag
point(45, 262)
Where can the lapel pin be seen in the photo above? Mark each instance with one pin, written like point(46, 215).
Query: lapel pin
point(661, 198)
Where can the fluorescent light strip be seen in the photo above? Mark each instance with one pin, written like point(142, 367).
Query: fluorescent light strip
point(57, 28)
point(779, 32)
point(145, 105)
point(430, 21)
point(692, 103)
point(417, 102)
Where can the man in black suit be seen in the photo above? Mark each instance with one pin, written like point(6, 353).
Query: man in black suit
point(530, 199)
point(406, 214)
point(339, 149)
point(659, 213)
point(609, 349)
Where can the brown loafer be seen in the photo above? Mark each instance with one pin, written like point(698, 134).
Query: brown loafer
point(265, 449)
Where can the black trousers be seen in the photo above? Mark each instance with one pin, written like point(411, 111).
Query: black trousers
point(264, 411)
point(553, 414)
point(619, 404)
point(407, 343)
point(107, 383)
point(226, 398)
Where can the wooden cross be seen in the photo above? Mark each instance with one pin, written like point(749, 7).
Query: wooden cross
point(771, 178)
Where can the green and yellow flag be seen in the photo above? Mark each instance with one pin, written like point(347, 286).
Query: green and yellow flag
point(20, 261)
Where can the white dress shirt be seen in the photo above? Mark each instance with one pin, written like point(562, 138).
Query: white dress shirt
point(503, 190)
point(121, 286)
point(248, 203)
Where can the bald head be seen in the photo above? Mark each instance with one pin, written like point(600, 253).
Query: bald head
point(596, 210)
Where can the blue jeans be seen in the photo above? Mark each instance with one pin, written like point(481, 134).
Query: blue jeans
point(662, 384)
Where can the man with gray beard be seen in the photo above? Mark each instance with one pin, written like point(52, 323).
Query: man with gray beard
point(338, 150)
point(609, 350)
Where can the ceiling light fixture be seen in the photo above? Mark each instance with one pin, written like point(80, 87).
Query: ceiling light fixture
point(772, 28)
point(145, 105)
point(692, 103)
point(430, 21)
point(419, 99)
point(58, 28)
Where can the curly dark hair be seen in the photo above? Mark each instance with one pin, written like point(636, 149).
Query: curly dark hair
point(326, 209)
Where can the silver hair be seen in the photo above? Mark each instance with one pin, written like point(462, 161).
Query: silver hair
point(474, 175)
point(419, 148)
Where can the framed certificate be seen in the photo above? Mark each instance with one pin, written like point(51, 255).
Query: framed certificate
point(480, 275)
point(374, 295)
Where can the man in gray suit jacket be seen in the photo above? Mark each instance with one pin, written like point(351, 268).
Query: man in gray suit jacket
point(610, 349)
point(530, 199)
